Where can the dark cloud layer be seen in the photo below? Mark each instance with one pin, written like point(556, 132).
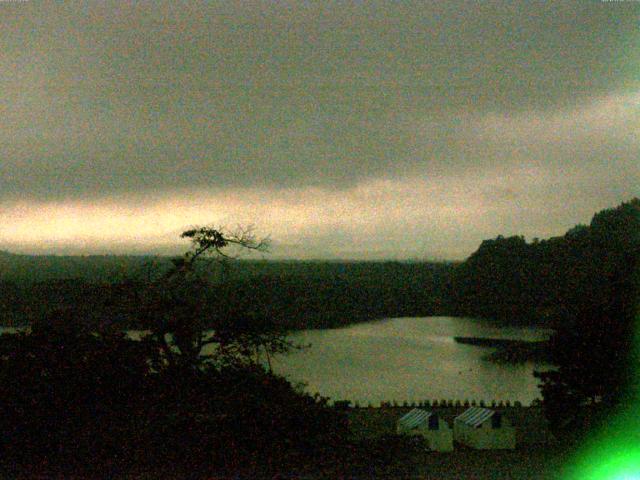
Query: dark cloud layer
point(106, 99)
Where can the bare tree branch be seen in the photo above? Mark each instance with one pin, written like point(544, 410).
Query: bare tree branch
point(206, 240)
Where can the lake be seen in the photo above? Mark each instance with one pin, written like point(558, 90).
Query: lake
point(408, 359)
point(412, 359)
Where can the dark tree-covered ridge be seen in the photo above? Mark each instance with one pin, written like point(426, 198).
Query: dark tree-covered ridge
point(548, 281)
point(297, 294)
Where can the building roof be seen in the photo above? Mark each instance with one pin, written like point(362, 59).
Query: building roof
point(414, 418)
point(475, 416)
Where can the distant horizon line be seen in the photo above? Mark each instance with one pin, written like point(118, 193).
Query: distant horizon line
point(4, 251)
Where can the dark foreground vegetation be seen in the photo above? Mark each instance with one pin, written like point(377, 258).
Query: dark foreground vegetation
point(597, 319)
point(97, 404)
point(80, 399)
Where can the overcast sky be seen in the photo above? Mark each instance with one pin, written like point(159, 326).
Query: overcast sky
point(352, 130)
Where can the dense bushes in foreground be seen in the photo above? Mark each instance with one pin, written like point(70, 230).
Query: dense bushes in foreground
point(75, 401)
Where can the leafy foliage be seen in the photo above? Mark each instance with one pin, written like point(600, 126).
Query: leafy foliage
point(550, 281)
point(67, 392)
point(83, 398)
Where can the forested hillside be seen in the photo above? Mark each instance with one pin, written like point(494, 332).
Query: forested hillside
point(549, 280)
point(27, 269)
point(294, 294)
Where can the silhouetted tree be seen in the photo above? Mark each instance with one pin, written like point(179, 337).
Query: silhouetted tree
point(81, 397)
point(186, 311)
point(593, 346)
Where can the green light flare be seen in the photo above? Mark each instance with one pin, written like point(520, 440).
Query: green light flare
point(614, 452)
point(612, 455)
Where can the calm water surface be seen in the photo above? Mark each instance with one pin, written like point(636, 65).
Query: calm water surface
point(410, 359)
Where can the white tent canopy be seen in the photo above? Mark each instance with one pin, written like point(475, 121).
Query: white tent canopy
point(414, 418)
point(429, 426)
point(483, 428)
point(475, 416)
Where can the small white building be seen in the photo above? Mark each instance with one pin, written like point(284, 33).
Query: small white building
point(483, 429)
point(431, 427)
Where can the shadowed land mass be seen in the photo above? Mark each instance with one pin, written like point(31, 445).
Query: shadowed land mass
point(80, 397)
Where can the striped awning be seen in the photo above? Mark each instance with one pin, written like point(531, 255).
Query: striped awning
point(414, 418)
point(475, 416)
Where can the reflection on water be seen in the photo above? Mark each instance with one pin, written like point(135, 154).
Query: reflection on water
point(411, 359)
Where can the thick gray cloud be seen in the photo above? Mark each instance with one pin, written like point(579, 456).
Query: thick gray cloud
point(102, 101)
point(110, 98)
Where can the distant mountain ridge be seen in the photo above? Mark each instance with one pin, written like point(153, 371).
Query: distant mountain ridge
point(22, 268)
point(37, 268)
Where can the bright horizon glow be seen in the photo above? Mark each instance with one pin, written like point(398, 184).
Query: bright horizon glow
point(378, 219)
point(435, 215)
